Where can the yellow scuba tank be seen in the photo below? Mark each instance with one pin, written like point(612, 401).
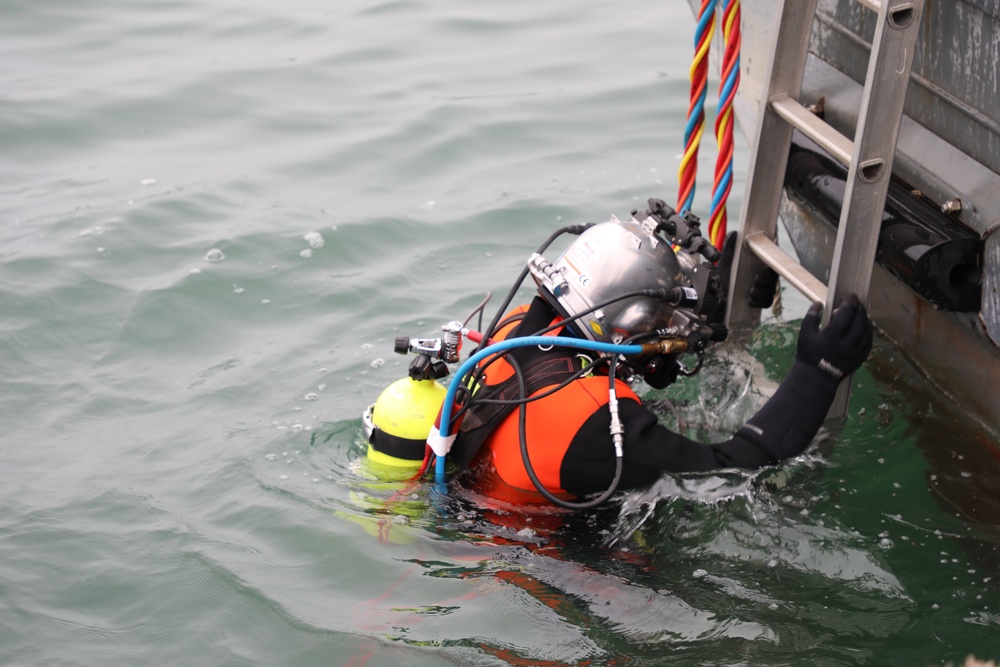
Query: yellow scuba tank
point(397, 425)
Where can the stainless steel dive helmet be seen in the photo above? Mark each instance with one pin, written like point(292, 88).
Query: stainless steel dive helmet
point(612, 259)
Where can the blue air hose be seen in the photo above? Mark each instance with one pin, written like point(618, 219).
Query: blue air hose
point(526, 341)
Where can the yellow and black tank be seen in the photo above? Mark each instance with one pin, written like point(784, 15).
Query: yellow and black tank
point(397, 425)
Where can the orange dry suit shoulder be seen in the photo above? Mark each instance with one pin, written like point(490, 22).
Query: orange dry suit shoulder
point(552, 419)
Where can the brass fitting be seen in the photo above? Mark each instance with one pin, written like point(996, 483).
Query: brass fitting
point(668, 346)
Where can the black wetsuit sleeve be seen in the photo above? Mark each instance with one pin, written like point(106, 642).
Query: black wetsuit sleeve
point(782, 428)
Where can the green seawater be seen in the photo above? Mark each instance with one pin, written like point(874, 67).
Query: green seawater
point(215, 217)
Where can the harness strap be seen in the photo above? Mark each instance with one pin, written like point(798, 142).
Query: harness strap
point(482, 418)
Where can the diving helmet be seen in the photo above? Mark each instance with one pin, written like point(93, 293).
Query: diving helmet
point(612, 259)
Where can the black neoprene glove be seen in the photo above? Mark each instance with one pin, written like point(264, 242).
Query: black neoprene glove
point(765, 282)
point(840, 348)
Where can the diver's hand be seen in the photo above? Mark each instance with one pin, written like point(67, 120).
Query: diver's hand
point(765, 282)
point(840, 348)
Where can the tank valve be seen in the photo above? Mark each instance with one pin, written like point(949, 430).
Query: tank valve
point(451, 342)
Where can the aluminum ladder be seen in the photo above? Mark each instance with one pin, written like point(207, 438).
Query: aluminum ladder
point(868, 157)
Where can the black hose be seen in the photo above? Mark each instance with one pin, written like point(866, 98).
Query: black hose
point(569, 229)
point(522, 430)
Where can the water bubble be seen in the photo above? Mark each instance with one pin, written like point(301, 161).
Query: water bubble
point(321, 387)
point(271, 457)
point(312, 396)
point(214, 255)
point(314, 239)
point(282, 476)
point(147, 181)
point(886, 543)
point(194, 272)
point(265, 301)
point(323, 370)
point(307, 253)
point(237, 290)
point(367, 346)
point(698, 574)
point(378, 363)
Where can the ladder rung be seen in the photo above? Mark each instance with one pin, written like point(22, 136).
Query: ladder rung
point(874, 5)
point(796, 115)
point(786, 267)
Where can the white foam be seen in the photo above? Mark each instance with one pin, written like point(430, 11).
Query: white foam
point(314, 239)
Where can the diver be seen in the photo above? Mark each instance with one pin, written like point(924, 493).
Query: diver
point(626, 300)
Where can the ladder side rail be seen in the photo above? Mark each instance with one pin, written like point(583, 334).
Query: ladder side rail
point(871, 164)
point(770, 155)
